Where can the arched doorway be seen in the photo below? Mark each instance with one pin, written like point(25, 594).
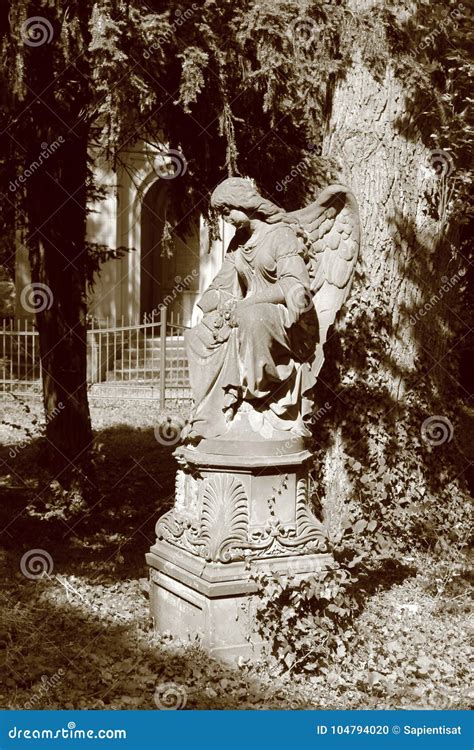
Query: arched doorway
point(173, 281)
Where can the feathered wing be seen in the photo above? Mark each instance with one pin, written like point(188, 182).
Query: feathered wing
point(333, 228)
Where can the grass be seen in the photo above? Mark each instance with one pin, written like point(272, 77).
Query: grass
point(82, 636)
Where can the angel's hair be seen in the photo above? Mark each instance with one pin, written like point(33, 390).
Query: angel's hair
point(241, 194)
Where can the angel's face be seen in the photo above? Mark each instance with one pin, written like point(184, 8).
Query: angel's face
point(238, 219)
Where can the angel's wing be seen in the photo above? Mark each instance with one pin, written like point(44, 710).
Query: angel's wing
point(332, 225)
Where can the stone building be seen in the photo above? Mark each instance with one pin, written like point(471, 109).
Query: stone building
point(131, 214)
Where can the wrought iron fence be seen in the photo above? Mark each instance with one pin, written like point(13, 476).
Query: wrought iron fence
point(145, 360)
point(20, 364)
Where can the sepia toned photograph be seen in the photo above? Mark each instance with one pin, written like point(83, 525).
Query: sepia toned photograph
point(236, 346)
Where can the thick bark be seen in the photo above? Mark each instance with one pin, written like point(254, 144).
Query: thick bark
point(56, 208)
point(55, 132)
point(392, 352)
point(391, 174)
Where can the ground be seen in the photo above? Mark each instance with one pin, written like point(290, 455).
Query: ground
point(81, 636)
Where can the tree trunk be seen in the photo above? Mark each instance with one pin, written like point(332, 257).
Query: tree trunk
point(56, 133)
point(56, 207)
point(394, 374)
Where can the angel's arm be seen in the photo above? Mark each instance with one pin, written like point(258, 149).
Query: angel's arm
point(225, 286)
point(291, 273)
point(273, 294)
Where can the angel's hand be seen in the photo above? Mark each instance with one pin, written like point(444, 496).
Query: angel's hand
point(212, 320)
point(222, 334)
point(226, 310)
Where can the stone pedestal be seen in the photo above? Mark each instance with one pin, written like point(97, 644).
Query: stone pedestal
point(235, 514)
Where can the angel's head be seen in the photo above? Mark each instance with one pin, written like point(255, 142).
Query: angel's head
point(238, 200)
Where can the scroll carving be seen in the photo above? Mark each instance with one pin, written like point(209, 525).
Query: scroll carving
point(222, 532)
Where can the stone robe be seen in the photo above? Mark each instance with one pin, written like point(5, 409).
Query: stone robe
point(255, 357)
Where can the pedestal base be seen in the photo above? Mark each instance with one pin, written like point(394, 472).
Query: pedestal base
point(212, 603)
point(234, 515)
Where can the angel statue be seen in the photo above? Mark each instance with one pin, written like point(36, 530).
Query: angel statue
point(256, 354)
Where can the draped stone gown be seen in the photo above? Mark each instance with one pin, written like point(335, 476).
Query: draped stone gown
point(263, 359)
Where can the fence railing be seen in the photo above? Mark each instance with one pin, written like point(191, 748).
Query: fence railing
point(146, 359)
point(20, 364)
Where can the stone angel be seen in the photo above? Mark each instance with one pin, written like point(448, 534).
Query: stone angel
point(255, 357)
